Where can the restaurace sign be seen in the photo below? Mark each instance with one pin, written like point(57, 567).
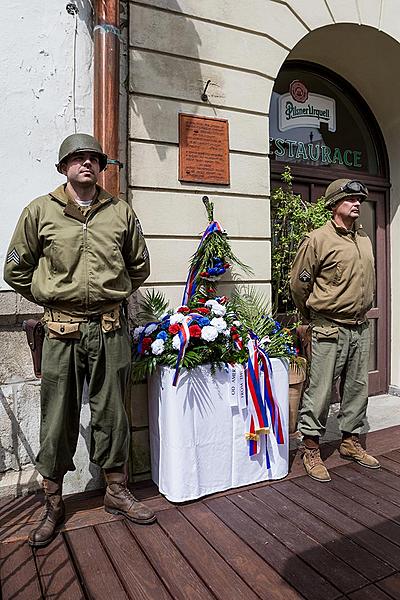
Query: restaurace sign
point(301, 109)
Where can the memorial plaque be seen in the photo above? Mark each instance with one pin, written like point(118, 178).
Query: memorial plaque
point(203, 150)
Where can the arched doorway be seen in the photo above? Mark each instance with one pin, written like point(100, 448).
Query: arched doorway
point(323, 129)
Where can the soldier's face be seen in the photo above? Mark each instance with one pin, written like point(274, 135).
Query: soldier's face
point(82, 168)
point(348, 208)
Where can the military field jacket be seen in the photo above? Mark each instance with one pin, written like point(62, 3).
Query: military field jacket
point(333, 274)
point(81, 264)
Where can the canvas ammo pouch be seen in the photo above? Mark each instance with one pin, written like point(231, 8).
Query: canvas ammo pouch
point(65, 331)
point(326, 333)
point(110, 320)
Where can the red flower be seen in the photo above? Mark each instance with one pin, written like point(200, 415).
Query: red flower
point(146, 343)
point(173, 329)
point(202, 300)
point(183, 309)
point(195, 331)
point(203, 310)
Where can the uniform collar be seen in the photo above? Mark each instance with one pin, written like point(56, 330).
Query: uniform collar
point(61, 195)
point(343, 231)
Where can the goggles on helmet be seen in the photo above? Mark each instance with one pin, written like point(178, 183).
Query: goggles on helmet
point(352, 187)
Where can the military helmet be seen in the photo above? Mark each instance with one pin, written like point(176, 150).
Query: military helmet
point(340, 188)
point(80, 142)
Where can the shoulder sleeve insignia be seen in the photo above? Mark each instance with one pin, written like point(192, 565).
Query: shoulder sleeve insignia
point(139, 226)
point(305, 276)
point(13, 256)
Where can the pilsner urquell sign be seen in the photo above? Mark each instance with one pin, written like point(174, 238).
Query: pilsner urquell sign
point(301, 109)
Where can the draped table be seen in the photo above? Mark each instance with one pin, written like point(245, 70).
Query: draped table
point(197, 432)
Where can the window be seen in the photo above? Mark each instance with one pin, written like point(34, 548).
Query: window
point(317, 121)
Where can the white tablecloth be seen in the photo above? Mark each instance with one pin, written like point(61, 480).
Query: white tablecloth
point(197, 434)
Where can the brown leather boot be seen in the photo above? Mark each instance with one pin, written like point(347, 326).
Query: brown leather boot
point(312, 460)
point(53, 514)
point(351, 449)
point(118, 500)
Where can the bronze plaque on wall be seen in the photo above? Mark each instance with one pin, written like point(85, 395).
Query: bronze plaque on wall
point(203, 150)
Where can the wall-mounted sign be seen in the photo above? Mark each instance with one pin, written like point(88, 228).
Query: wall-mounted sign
point(300, 108)
point(203, 150)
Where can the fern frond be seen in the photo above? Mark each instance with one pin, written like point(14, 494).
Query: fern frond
point(153, 306)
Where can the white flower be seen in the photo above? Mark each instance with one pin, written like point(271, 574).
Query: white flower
point(219, 324)
point(216, 308)
point(176, 318)
point(237, 323)
point(210, 303)
point(136, 333)
point(209, 333)
point(176, 342)
point(150, 328)
point(227, 332)
point(157, 347)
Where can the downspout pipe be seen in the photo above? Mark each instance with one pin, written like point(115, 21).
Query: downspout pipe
point(106, 87)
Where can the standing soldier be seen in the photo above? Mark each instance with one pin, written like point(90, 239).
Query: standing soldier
point(332, 283)
point(79, 252)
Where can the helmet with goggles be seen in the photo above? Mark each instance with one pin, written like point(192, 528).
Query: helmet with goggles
point(80, 142)
point(339, 189)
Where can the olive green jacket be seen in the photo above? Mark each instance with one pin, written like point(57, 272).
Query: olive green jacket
point(333, 274)
point(81, 264)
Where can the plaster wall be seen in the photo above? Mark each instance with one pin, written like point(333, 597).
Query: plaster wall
point(176, 46)
point(38, 97)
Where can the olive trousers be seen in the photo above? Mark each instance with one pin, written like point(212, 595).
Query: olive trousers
point(337, 351)
point(104, 360)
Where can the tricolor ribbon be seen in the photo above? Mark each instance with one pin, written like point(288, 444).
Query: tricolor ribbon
point(184, 337)
point(261, 401)
point(191, 282)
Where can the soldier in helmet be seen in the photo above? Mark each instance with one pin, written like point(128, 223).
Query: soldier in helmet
point(79, 252)
point(332, 283)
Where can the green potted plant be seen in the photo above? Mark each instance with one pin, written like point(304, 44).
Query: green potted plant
point(292, 218)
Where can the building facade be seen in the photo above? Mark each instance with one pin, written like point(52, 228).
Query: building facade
point(307, 83)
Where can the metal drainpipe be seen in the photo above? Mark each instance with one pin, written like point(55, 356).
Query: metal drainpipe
point(106, 87)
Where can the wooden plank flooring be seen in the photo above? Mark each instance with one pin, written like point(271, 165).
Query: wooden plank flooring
point(286, 540)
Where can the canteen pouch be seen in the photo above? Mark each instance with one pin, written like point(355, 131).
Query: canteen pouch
point(326, 333)
point(110, 321)
point(35, 335)
point(63, 331)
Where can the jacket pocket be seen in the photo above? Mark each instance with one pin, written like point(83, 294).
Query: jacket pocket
point(63, 331)
point(326, 333)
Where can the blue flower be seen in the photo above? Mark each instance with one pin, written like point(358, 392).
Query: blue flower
point(203, 321)
point(165, 324)
point(162, 335)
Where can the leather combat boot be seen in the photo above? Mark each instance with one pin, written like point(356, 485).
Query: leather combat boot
point(351, 449)
point(314, 465)
point(118, 500)
point(53, 514)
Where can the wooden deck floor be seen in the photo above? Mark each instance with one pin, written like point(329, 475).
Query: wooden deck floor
point(286, 540)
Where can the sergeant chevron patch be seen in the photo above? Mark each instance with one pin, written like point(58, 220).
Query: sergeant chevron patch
point(305, 276)
point(13, 256)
